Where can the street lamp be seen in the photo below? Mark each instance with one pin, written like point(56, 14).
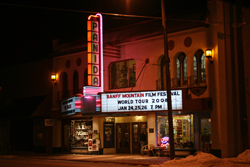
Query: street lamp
point(209, 55)
point(53, 78)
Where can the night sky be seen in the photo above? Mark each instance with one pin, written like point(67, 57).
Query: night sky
point(27, 32)
point(29, 26)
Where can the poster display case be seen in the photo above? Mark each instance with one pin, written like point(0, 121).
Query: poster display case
point(79, 133)
point(93, 141)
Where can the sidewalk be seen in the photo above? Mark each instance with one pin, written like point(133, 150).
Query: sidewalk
point(131, 159)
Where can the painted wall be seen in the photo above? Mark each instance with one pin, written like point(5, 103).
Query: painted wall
point(152, 125)
point(59, 66)
point(152, 48)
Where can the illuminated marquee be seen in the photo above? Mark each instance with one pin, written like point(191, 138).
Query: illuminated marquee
point(140, 101)
point(71, 106)
point(94, 40)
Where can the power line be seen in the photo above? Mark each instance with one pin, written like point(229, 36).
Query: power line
point(80, 11)
point(103, 13)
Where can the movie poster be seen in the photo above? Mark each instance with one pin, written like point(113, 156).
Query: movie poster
point(93, 142)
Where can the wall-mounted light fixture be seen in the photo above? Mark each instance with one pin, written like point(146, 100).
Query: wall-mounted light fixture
point(53, 78)
point(209, 55)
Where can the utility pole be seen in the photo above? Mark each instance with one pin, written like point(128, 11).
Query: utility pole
point(170, 117)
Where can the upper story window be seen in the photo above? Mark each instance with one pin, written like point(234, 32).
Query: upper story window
point(185, 77)
point(203, 68)
point(75, 82)
point(199, 68)
point(178, 71)
point(122, 74)
point(195, 68)
point(181, 70)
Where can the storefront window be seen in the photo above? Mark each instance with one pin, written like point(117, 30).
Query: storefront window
point(182, 128)
point(79, 132)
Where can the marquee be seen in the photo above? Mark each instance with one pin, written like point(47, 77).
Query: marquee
point(140, 101)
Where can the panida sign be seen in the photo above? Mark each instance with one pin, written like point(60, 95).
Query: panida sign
point(94, 40)
point(140, 101)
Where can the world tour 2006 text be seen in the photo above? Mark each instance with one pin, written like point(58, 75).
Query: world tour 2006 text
point(141, 101)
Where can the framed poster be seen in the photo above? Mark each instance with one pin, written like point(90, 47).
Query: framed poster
point(93, 142)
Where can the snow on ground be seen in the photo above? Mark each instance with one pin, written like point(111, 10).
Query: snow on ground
point(208, 160)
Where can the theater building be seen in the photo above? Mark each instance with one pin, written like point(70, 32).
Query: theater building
point(205, 89)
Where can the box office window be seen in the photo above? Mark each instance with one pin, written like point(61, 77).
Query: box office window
point(79, 132)
point(182, 129)
point(122, 74)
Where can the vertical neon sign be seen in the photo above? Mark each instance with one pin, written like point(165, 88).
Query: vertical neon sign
point(95, 51)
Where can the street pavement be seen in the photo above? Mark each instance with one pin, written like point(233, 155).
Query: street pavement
point(130, 159)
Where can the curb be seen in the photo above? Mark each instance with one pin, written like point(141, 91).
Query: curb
point(77, 160)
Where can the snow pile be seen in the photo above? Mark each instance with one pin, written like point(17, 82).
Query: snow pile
point(207, 160)
point(245, 156)
point(241, 158)
point(201, 159)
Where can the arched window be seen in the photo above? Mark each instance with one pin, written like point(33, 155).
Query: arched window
point(199, 68)
point(75, 82)
point(203, 68)
point(181, 70)
point(195, 69)
point(178, 71)
point(185, 70)
point(163, 73)
point(65, 85)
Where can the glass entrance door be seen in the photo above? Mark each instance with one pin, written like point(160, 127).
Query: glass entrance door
point(205, 135)
point(137, 127)
point(123, 138)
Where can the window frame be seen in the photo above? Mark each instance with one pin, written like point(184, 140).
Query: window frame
point(181, 80)
point(200, 61)
point(127, 75)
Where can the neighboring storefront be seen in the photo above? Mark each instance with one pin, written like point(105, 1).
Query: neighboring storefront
point(183, 129)
point(192, 130)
